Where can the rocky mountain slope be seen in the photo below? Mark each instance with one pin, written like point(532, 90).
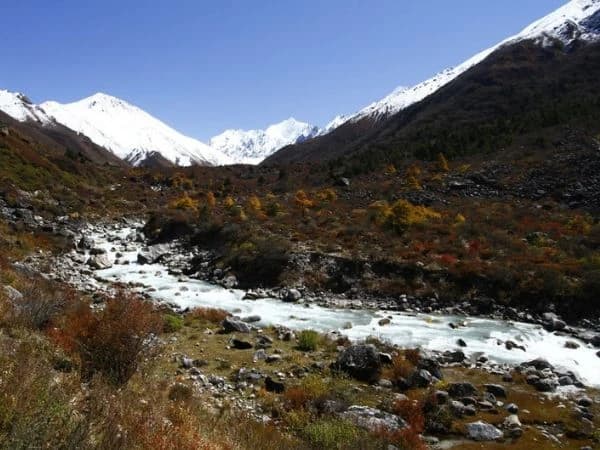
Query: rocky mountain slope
point(564, 35)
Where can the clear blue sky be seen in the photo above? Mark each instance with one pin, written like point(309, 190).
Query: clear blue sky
point(204, 66)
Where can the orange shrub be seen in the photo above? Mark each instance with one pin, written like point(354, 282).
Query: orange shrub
point(184, 202)
point(212, 315)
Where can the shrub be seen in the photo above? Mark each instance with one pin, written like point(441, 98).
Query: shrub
point(40, 304)
point(254, 205)
point(212, 315)
point(401, 215)
point(111, 342)
point(400, 370)
point(332, 434)
point(180, 392)
point(172, 323)
point(442, 163)
point(308, 340)
point(185, 202)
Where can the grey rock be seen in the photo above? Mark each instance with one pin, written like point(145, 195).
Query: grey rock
point(545, 385)
point(482, 431)
point(273, 359)
point(360, 361)
point(230, 325)
point(153, 254)
point(260, 355)
point(12, 294)
point(274, 386)
point(585, 401)
point(252, 319)
point(572, 345)
point(372, 419)
point(292, 296)
point(539, 364)
point(565, 380)
point(385, 358)
point(464, 389)
point(512, 408)
point(240, 344)
point(99, 262)
point(457, 408)
point(421, 378)
point(384, 322)
point(441, 397)
point(461, 343)
point(497, 390)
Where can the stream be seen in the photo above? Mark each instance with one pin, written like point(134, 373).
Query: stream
point(427, 331)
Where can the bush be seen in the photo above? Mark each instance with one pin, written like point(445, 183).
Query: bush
point(172, 323)
point(332, 434)
point(308, 340)
point(40, 304)
point(185, 202)
point(212, 315)
point(111, 342)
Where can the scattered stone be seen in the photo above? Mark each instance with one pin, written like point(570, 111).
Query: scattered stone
point(187, 363)
point(274, 386)
point(12, 294)
point(385, 383)
point(240, 344)
point(459, 390)
point(385, 358)
point(461, 343)
point(545, 385)
point(511, 345)
point(99, 262)
point(539, 364)
point(153, 254)
point(231, 325)
point(292, 296)
point(252, 319)
point(482, 431)
point(260, 355)
point(441, 397)
point(585, 401)
point(497, 390)
point(384, 322)
point(572, 345)
point(360, 361)
point(512, 408)
point(264, 342)
point(421, 378)
point(457, 408)
point(372, 419)
point(273, 358)
point(565, 380)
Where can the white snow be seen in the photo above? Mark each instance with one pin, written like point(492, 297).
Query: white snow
point(20, 108)
point(565, 24)
point(253, 146)
point(131, 133)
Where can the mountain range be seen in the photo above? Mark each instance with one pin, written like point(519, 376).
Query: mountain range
point(138, 138)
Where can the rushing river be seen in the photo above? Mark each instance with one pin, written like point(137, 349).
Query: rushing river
point(428, 331)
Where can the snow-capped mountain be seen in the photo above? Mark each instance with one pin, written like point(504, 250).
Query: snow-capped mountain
point(19, 107)
point(578, 19)
point(131, 133)
point(252, 146)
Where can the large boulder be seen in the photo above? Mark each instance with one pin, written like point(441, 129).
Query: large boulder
point(482, 431)
point(99, 262)
point(361, 362)
point(153, 254)
point(231, 325)
point(372, 419)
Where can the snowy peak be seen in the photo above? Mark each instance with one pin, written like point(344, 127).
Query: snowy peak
point(576, 20)
point(19, 107)
point(131, 133)
point(253, 146)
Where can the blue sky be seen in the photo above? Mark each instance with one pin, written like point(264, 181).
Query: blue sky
point(204, 66)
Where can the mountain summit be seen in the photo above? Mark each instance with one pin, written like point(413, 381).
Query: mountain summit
point(253, 146)
point(131, 133)
point(577, 20)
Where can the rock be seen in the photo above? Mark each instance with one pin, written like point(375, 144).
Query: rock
point(385, 383)
point(482, 431)
point(572, 345)
point(273, 359)
point(97, 251)
point(512, 421)
point(231, 325)
point(259, 355)
point(252, 319)
point(565, 380)
point(470, 410)
point(274, 386)
point(457, 408)
point(240, 344)
point(485, 405)
point(187, 363)
point(510, 345)
point(461, 343)
point(264, 342)
point(292, 296)
point(372, 419)
point(585, 401)
point(385, 358)
point(545, 385)
point(360, 361)
point(421, 378)
point(539, 364)
point(454, 357)
point(12, 294)
point(99, 262)
point(441, 397)
point(595, 340)
point(512, 408)
point(153, 254)
point(384, 322)
point(432, 366)
point(86, 243)
point(496, 389)
point(459, 390)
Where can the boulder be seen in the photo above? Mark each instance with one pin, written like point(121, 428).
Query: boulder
point(539, 364)
point(512, 408)
point(251, 319)
point(99, 262)
point(482, 431)
point(572, 345)
point(421, 378)
point(86, 243)
point(12, 294)
point(460, 390)
point(231, 325)
point(240, 344)
point(497, 390)
point(461, 343)
point(360, 361)
point(384, 322)
point(545, 385)
point(292, 296)
point(153, 254)
point(274, 386)
point(372, 419)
